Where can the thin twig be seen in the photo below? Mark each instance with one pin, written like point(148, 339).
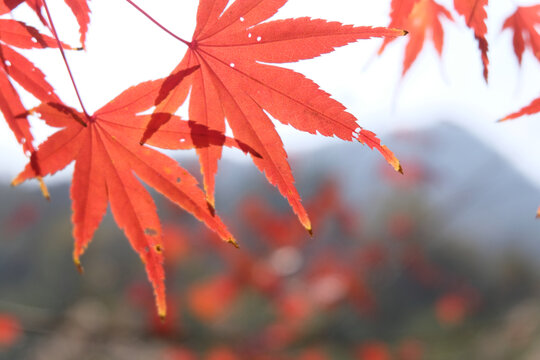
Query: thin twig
point(157, 23)
point(64, 57)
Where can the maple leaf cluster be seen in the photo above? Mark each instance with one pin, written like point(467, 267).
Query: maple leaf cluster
point(427, 18)
point(228, 72)
point(229, 75)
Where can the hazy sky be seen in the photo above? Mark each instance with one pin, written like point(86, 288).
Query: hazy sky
point(125, 49)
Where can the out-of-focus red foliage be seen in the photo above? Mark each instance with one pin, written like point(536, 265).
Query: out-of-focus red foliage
point(175, 244)
point(140, 296)
point(418, 265)
point(370, 256)
point(278, 335)
point(410, 349)
point(303, 282)
point(23, 216)
point(280, 229)
point(10, 330)
point(179, 353)
point(313, 354)
point(333, 280)
point(417, 174)
point(274, 227)
point(211, 299)
point(400, 226)
point(373, 350)
point(221, 353)
point(451, 309)
point(295, 307)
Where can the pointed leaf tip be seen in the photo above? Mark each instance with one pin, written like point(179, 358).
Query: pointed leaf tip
point(233, 242)
point(310, 232)
point(538, 213)
point(44, 189)
point(161, 306)
point(78, 265)
point(393, 161)
point(16, 182)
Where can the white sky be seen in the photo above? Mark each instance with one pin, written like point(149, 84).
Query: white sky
point(124, 49)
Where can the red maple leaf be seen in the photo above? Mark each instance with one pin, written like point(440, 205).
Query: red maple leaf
point(475, 17)
point(233, 48)
point(419, 18)
point(524, 22)
point(107, 156)
point(399, 16)
point(16, 67)
point(532, 108)
point(82, 13)
point(80, 10)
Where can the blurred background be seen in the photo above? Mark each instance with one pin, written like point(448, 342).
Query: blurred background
point(438, 264)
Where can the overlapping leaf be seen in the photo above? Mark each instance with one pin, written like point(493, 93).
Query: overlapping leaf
point(15, 67)
point(107, 157)
point(420, 18)
point(80, 10)
point(524, 23)
point(532, 108)
point(399, 17)
point(475, 16)
point(233, 48)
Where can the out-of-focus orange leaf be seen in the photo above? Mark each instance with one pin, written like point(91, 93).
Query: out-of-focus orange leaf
point(451, 309)
point(211, 299)
point(475, 16)
point(532, 108)
point(295, 307)
point(10, 330)
point(524, 24)
point(422, 19)
point(175, 243)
